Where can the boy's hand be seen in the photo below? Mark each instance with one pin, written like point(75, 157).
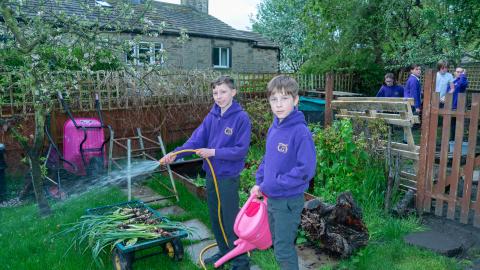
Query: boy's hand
point(168, 159)
point(256, 190)
point(206, 152)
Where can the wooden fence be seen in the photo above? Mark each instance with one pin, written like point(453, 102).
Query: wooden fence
point(445, 180)
point(172, 103)
point(472, 71)
point(140, 89)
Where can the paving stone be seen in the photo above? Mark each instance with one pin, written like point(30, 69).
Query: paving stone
point(201, 232)
point(436, 241)
point(309, 258)
point(171, 210)
point(195, 249)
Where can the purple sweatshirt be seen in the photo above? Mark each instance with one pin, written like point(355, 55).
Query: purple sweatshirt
point(229, 135)
point(390, 91)
point(413, 90)
point(290, 159)
point(461, 84)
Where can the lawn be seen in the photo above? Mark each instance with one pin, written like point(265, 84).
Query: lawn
point(32, 242)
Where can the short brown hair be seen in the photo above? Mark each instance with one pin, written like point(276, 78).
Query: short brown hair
point(223, 80)
point(442, 64)
point(282, 84)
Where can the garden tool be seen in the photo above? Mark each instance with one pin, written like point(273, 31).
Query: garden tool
point(252, 228)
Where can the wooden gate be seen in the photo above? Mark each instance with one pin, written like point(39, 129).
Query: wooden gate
point(445, 179)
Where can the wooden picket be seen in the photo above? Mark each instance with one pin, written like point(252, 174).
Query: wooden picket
point(445, 181)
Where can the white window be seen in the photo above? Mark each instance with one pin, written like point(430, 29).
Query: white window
point(222, 58)
point(145, 53)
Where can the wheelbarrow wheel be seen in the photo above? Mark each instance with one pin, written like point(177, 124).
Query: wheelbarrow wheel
point(174, 249)
point(122, 261)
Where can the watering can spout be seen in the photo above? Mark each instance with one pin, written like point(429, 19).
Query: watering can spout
point(242, 247)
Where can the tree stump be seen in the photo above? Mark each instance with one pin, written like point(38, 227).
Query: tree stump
point(339, 228)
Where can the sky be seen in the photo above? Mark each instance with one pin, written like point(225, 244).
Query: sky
point(223, 10)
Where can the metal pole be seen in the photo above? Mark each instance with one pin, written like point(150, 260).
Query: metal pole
point(169, 170)
point(129, 164)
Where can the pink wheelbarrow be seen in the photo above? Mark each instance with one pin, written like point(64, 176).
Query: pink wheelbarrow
point(251, 227)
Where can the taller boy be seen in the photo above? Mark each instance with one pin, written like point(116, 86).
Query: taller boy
point(223, 137)
point(287, 168)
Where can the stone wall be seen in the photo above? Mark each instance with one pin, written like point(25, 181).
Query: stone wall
point(197, 54)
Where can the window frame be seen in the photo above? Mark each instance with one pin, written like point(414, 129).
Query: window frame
point(228, 53)
point(151, 54)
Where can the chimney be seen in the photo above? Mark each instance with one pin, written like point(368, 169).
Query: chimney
point(200, 5)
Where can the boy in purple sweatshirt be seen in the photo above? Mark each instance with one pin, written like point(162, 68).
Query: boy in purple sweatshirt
point(413, 87)
point(224, 138)
point(287, 168)
point(390, 88)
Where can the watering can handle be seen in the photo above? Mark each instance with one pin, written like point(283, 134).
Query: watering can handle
point(249, 200)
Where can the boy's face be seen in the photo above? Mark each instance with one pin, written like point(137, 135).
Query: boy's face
point(443, 70)
point(223, 95)
point(282, 104)
point(417, 71)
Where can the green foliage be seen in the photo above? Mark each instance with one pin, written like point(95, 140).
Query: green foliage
point(369, 38)
point(261, 117)
point(200, 181)
point(280, 21)
point(247, 176)
point(339, 160)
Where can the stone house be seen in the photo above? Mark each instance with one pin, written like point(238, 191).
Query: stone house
point(212, 44)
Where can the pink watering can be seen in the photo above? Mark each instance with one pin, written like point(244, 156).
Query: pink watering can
point(251, 227)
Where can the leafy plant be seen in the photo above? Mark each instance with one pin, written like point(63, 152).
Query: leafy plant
point(261, 117)
point(200, 181)
point(339, 160)
point(247, 176)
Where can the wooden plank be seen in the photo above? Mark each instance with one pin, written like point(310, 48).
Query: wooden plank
point(457, 154)
point(406, 154)
point(396, 122)
point(409, 176)
point(409, 101)
point(371, 105)
point(427, 144)
point(472, 142)
point(424, 144)
point(470, 162)
point(328, 99)
point(444, 147)
point(402, 146)
point(408, 183)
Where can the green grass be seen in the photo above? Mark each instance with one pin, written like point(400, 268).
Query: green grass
point(32, 242)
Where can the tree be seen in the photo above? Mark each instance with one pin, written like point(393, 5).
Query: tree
point(280, 20)
point(46, 41)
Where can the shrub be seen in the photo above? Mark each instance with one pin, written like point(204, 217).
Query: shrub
point(261, 117)
point(343, 163)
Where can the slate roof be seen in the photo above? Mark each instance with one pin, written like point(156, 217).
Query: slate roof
point(175, 16)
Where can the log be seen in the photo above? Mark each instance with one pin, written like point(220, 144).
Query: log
point(339, 228)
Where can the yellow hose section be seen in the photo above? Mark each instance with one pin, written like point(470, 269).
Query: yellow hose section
point(216, 188)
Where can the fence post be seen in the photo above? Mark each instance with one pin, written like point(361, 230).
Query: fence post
point(424, 139)
point(328, 99)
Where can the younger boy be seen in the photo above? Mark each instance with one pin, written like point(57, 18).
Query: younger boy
point(413, 88)
point(224, 138)
point(287, 168)
point(444, 80)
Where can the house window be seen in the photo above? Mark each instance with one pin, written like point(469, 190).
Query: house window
point(145, 53)
point(222, 57)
